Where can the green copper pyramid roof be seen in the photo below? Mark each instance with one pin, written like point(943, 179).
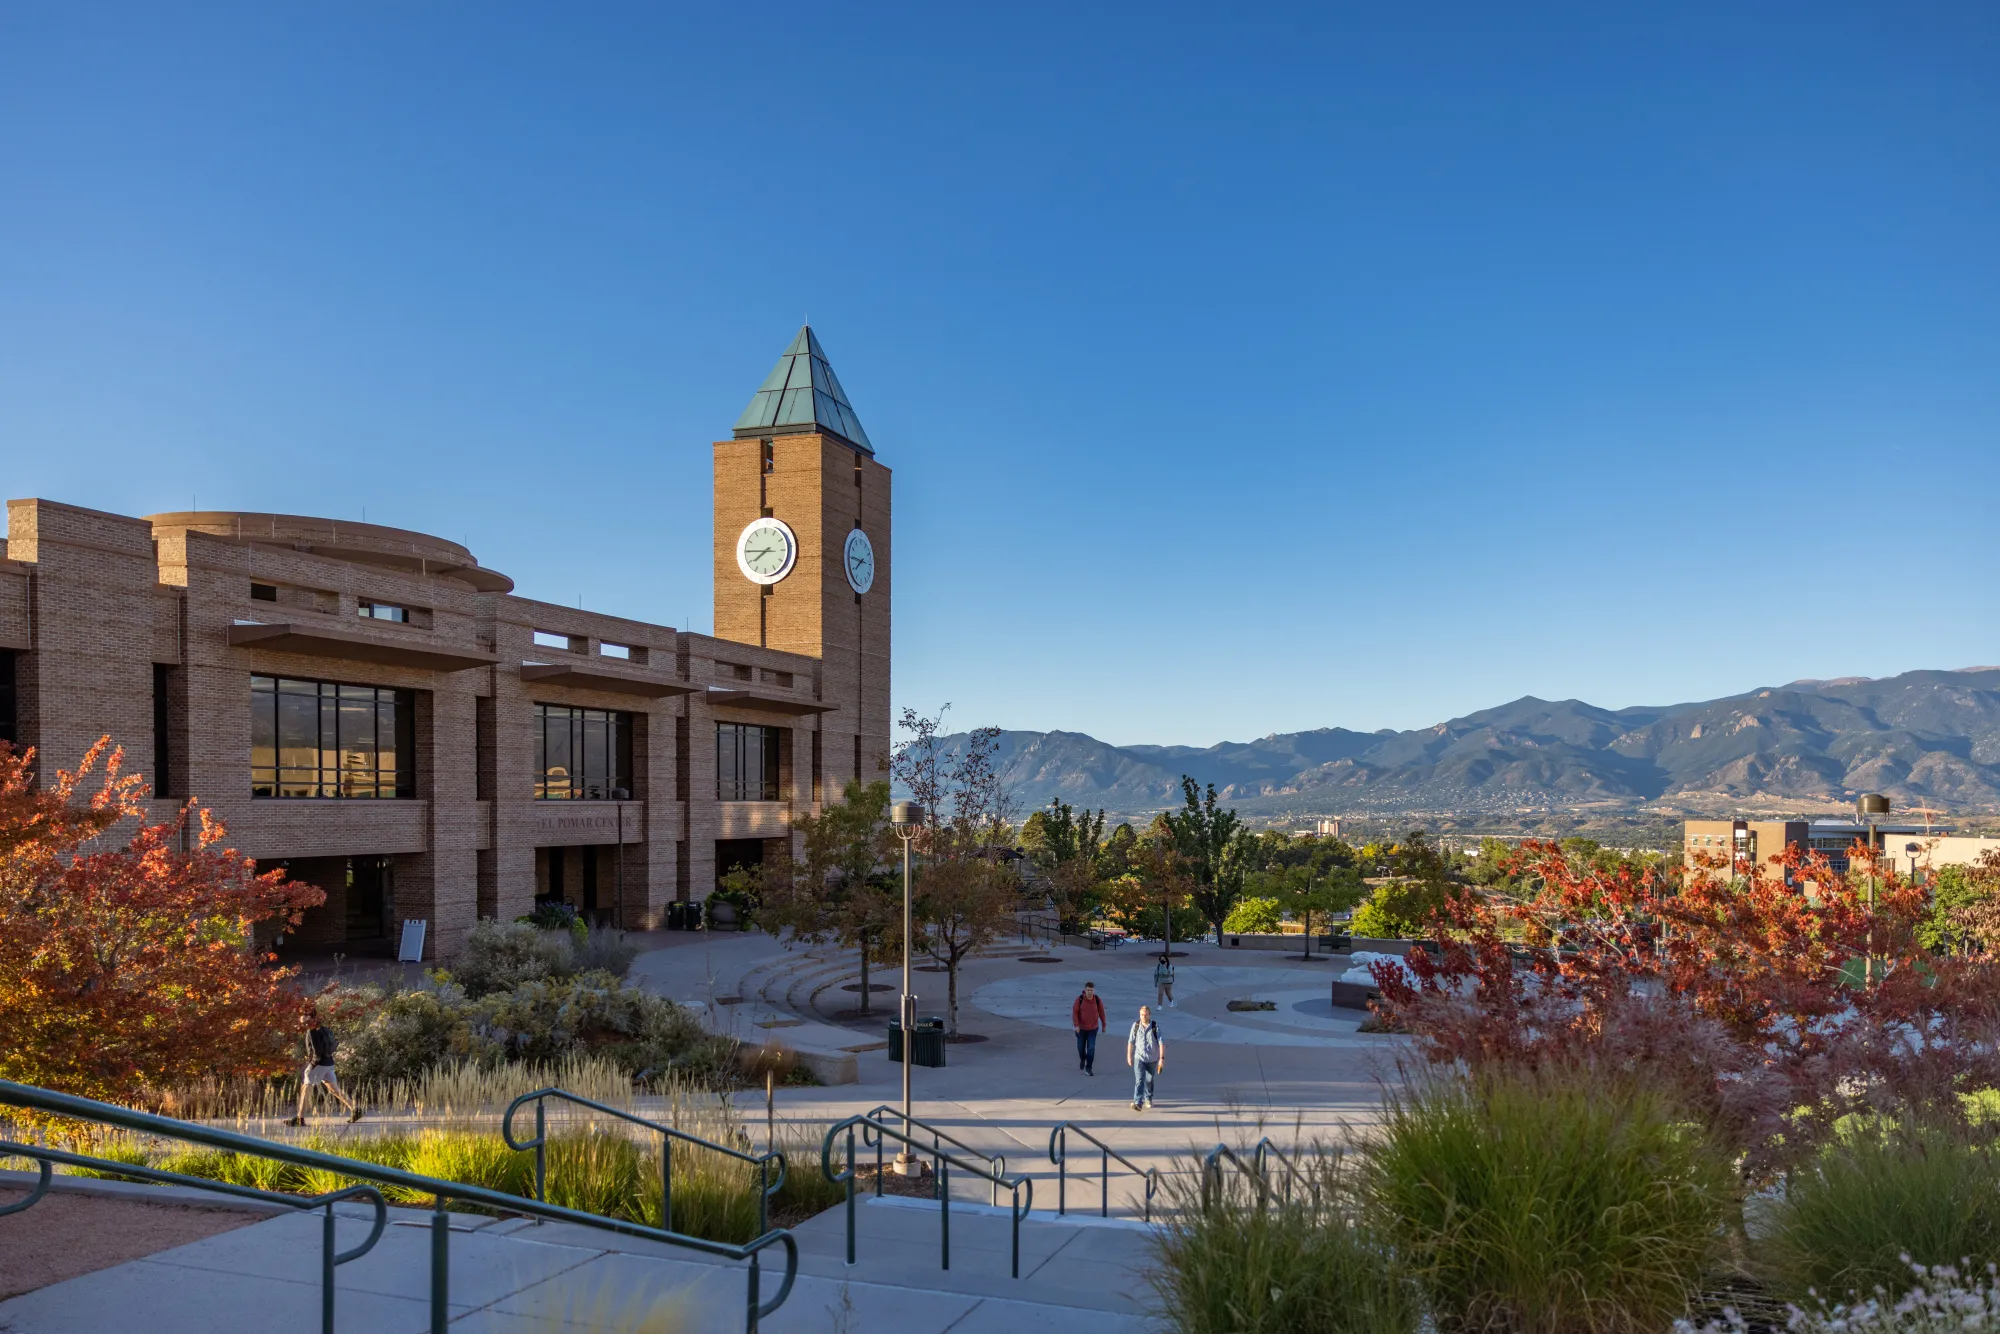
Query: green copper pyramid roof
point(800, 395)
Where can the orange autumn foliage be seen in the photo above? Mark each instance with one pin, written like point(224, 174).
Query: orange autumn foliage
point(127, 965)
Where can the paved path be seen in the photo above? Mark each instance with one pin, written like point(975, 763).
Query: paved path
point(510, 1276)
point(1297, 1070)
point(1301, 1069)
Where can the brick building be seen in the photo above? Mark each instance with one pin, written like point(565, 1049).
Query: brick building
point(378, 712)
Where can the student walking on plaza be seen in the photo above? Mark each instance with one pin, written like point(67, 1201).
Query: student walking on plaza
point(1086, 1016)
point(1163, 982)
point(320, 1073)
point(1146, 1053)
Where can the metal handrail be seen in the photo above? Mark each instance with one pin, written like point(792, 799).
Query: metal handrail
point(1211, 1172)
point(1265, 1150)
point(998, 1161)
point(767, 1186)
point(45, 1158)
point(1059, 1155)
point(1211, 1176)
point(125, 1118)
point(941, 1165)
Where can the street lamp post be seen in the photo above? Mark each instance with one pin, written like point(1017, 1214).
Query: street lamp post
point(1871, 805)
point(908, 818)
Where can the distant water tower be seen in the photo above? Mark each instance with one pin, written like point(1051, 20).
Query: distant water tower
point(1869, 807)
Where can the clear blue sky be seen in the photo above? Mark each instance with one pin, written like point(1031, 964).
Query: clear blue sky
point(1242, 370)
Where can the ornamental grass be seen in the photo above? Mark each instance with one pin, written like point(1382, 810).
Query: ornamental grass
point(593, 1165)
point(1232, 1265)
point(1548, 1204)
point(1877, 1199)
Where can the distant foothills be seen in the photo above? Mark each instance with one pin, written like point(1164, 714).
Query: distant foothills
point(1922, 737)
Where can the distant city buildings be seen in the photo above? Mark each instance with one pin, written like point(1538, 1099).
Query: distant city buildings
point(1908, 846)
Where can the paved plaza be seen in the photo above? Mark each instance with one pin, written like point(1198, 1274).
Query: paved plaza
point(1298, 1070)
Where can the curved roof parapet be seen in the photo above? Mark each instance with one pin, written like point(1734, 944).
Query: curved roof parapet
point(340, 539)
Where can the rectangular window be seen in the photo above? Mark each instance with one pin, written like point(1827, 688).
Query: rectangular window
point(326, 739)
point(163, 730)
point(482, 748)
point(746, 762)
point(10, 726)
point(263, 592)
point(385, 611)
point(581, 754)
point(616, 651)
point(549, 639)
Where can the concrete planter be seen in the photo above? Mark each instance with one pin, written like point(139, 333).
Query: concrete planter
point(1354, 995)
point(1231, 941)
point(1378, 945)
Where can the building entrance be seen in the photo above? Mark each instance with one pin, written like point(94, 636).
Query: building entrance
point(737, 854)
point(585, 876)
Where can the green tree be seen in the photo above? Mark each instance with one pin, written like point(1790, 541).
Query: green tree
point(1115, 857)
point(840, 890)
point(1254, 915)
point(1213, 846)
point(1962, 903)
point(1399, 910)
point(1071, 841)
point(965, 896)
point(1307, 893)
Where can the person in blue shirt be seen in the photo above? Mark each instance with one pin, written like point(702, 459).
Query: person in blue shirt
point(1146, 1053)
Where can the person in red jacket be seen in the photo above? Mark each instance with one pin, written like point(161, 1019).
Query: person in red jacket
point(1086, 1016)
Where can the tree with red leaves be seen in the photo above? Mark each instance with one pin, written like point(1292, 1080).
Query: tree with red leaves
point(125, 969)
point(1771, 1005)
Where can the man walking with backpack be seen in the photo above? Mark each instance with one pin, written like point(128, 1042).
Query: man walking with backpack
point(1086, 1016)
point(1146, 1053)
point(320, 1073)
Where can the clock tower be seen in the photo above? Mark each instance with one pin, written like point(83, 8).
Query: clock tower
point(802, 549)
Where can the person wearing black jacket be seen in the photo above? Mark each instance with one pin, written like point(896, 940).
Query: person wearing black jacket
point(320, 1072)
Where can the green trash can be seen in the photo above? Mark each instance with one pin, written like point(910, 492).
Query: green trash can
point(926, 1045)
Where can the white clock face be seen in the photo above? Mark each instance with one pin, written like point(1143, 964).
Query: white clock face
point(766, 551)
point(860, 561)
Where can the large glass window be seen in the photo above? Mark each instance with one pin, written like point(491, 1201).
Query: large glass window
point(324, 739)
point(581, 754)
point(746, 762)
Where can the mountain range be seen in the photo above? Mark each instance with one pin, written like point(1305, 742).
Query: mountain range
point(1925, 736)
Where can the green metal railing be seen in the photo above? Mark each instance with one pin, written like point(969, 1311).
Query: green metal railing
point(1059, 1155)
point(441, 1193)
point(46, 1158)
point(1257, 1169)
point(768, 1185)
point(942, 1164)
point(996, 1163)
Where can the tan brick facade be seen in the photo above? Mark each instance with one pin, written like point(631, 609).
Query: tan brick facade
point(148, 628)
point(823, 489)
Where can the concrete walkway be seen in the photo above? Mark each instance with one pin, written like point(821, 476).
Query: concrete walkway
point(1300, 1070)
point(511, 1276)
point(1297, 1071)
